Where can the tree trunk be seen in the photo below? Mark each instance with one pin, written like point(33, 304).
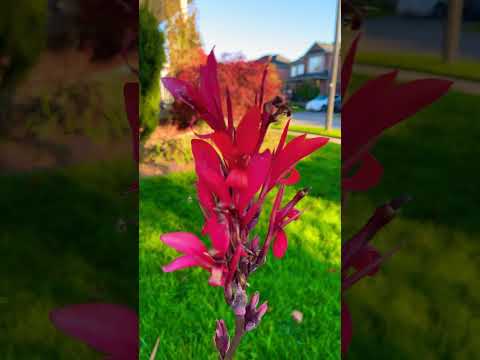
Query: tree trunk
point(333, 77)
point(453, 28)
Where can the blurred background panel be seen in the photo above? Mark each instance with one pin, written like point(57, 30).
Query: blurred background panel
point(423, 304)
point(69, 231)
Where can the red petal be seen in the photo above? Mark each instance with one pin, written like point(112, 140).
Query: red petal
point(108, 328)
point(366, 177)
point(182, 91)
point(210, 91)
point(365, 257)
point(257, 172)
point(230, 113)
point(280, 244)
point(348, 66)
point(380, 104)
point(184, 242)
point(204, 196)
point(248, 131)
point(208, 168)
point(360, 108)
point(206, 156)
point(181, 262)
point(217, 276)
point(218, 234)
point(237, 179)
point(291, 178)
point(295, 150)
point(262, 86)
point(346, 328)
point(283, 138)
point(224, 143)
point(239, 252)
point(294, 214)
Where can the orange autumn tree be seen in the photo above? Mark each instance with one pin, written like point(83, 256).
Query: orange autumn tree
point(240, 76)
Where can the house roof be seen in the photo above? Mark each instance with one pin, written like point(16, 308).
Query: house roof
point(316, 47)
point(279, 59)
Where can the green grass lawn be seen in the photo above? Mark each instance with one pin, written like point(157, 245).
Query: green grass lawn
point(424, 302)
point(181, 308)
point(431, 64)
point(61, 245)
point(297, 107)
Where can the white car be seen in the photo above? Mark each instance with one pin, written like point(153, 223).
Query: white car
point(317, 104)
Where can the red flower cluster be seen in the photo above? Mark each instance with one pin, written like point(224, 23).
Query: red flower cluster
point(234, 178)
point(231, 170)
point(375, 107)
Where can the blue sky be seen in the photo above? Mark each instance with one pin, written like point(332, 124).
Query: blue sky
point(260, 27)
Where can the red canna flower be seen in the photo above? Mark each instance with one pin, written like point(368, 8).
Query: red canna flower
point(233, 180)
point(196, 253)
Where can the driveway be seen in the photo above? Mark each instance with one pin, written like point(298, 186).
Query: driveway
point(314, 118)
point(415, 34)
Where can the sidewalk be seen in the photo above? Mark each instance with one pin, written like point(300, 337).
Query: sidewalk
point(309, 136)
point(465, 86)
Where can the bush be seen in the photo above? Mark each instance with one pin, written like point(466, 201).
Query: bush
point(170, 150)
point(152, 58)
point(243, 79)
point(306, 91)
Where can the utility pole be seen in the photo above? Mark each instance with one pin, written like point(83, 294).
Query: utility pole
point(334, 71)
point(453, 28)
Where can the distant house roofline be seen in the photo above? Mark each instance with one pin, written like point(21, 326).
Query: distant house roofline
point(315, 47)
point(276, 58)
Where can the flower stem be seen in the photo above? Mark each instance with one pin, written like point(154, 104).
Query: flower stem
point(239, 332)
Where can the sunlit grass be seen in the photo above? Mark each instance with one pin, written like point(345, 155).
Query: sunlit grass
point(181, 308)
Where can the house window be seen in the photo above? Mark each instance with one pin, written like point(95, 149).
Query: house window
point(300, 69)
point(316, 64)
point(293, 71)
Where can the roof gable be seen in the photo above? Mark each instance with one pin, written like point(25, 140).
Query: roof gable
point(317, 47)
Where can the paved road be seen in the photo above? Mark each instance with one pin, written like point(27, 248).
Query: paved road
point(415, 34)
point(314, 118)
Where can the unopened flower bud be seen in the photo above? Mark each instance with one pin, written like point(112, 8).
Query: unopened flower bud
point(262, 309)
point(239, 302)
point(254, 301)
point(254, 316)
point(221, 338)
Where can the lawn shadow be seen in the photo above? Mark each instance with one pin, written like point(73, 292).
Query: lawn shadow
point(63, 225)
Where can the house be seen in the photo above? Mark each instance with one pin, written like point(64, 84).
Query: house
point(313, 67)
point(281, 63)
